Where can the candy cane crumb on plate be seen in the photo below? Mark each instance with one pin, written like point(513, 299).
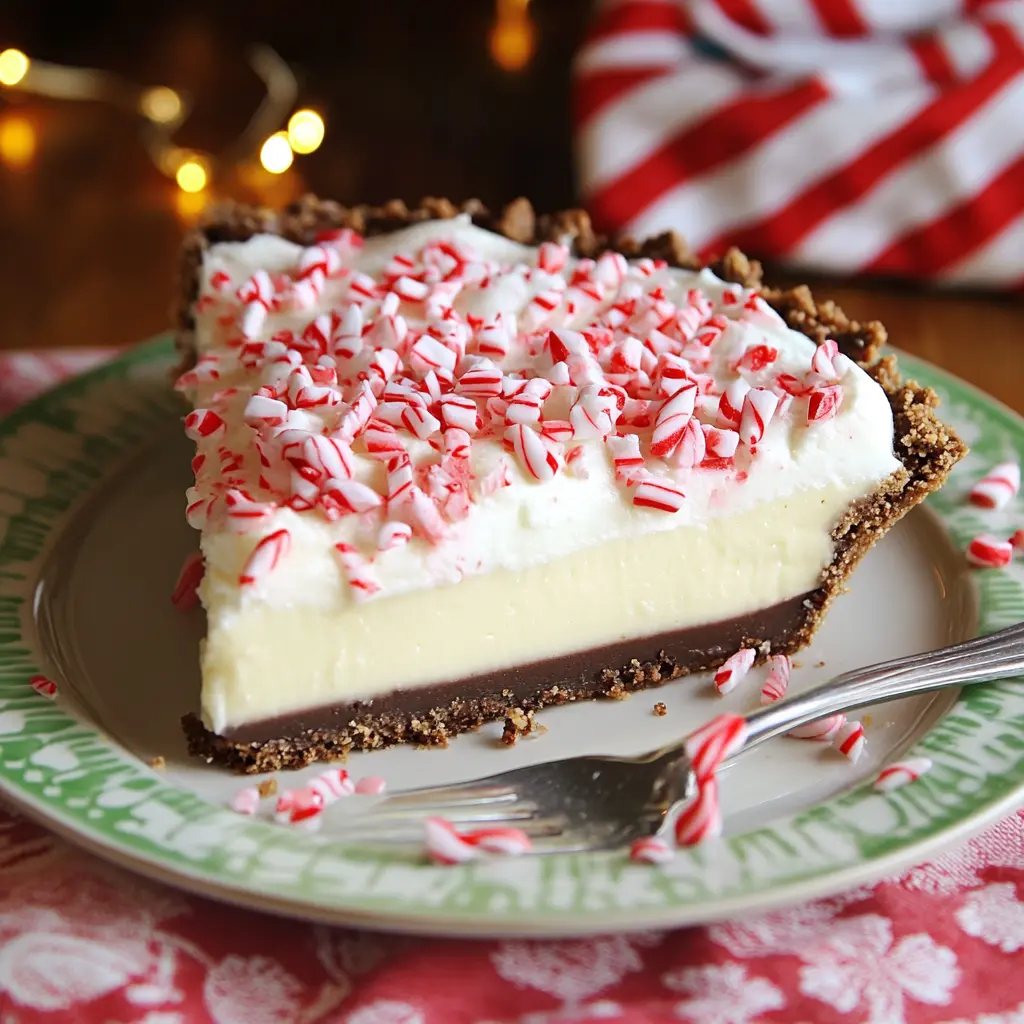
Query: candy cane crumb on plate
point(44, 687)
point(989, 552)
point(445, 845)
point(901, 773)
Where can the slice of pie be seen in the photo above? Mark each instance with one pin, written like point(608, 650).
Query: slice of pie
point(449, 464)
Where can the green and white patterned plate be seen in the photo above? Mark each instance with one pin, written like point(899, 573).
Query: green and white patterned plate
point(92, 478)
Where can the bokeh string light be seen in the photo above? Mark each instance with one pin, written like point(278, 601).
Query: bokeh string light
point(163, 111)
point(513, 37)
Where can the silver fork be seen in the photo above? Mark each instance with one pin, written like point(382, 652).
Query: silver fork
point(600, 803)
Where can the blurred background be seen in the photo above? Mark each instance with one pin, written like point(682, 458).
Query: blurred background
point(459, 98)
point(402, 99)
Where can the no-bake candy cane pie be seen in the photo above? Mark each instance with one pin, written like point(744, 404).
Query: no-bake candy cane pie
point(449, 463)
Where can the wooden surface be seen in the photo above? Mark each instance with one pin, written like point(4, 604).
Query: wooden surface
point(414, 106)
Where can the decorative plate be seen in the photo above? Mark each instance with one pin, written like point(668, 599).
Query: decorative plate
point(92, 533)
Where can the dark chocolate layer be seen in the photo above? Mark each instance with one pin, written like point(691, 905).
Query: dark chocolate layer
point(431, 714)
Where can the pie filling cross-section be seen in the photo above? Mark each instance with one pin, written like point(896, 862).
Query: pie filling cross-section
point(442, 471)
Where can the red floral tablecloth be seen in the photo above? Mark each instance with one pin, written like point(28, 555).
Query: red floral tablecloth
point(82, 941)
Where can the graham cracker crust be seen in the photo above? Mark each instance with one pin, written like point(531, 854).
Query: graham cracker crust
point(927, 448)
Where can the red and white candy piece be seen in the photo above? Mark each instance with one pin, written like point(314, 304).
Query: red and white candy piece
point(332, 785)
point(531, 453)
point(243, 513)
point(201, 424)
point(358, 572)
point(44, 687)
point(823, 360)
point(730, 405)
point(997, 486)
point(393, 535)
point(693, 445)
point(902, 772)
point(777, 681)
point(371, 785)
point(551, 256)
point(720, 442)
point(850, 740)
point(822, 730)
point(328, 456)
point(759, 405)
point(445, 845)
point(185, 595)
point(625, 453)
point(708, 746)
point(1017, 540)
point(823, 403)
point(265, 557)
point(305, 804)
point(658, 495)
point(700, 819)
point(988, 552)
point(651, 850)
point(735, 667)
point(459, 411)
point(509, 842)
point(246, 801)
point(672, 419)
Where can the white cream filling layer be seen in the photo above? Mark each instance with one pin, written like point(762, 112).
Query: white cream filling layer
point(270, 661)
point(536, 569)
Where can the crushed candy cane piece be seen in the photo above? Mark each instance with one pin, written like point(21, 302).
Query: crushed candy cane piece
point(701, 818)
point(850, 740)
point(823, 403)
point(708, 746)
point(358, 572)
point(777, 681)
point(900, 773)
point(651, 850)
point(988, 552)
point(734, 668)
point(530, 452)
point(997, 486)
point(510, 842)
point(185, 594)
point(445, 845)
point(332, 785)
point(44, 687)
point(759, 405)
point(371, 785)
point(265, 558)
point(658, 495)
point(246, 801)
point(823, 729)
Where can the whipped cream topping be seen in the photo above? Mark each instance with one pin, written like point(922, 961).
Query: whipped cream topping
point(385, 416)
point(592, 450)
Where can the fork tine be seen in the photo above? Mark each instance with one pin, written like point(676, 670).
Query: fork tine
point(412, 832)
point(456, 793)
point(456, 813)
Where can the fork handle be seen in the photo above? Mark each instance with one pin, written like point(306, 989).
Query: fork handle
point(996, 656)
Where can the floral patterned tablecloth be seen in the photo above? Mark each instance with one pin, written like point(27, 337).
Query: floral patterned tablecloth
point(83, 941)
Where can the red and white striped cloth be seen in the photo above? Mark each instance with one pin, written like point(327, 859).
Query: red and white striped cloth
point(855, 136)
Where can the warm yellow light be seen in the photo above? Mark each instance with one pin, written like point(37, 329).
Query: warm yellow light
point(17, 141)
point(190, 205)
point(191, 175)
point(13, 67)
point(305, 131)
point(160, 104)
point(276, 154)
point(513, 37)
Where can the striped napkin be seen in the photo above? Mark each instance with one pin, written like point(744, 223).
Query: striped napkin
point(852, 136)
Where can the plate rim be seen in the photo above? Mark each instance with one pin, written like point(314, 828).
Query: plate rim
point(174, 871)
